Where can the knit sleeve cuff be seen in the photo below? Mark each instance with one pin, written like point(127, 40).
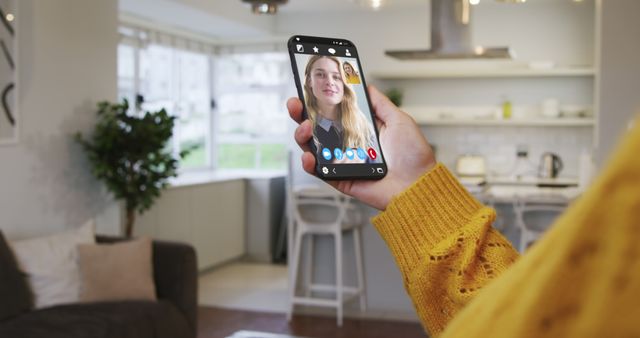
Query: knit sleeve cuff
point(432, 208)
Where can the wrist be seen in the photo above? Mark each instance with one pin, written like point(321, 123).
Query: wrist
point(404, 182)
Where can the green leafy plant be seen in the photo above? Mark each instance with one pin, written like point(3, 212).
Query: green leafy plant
point(129, 154)
point(395, 95)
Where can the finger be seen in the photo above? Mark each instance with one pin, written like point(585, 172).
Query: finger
point(309, 163)
point(294, 105)
point(384, 109)
point(303, 135)
point(379, 123)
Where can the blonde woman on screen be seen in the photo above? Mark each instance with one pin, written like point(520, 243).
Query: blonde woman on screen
point(337, 121)
point(350, 73)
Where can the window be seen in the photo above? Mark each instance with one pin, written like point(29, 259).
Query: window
point(179, 81)
point(251, 129)
point(229, 108)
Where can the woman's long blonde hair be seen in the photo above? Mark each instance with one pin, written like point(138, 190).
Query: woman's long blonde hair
point(356, 132)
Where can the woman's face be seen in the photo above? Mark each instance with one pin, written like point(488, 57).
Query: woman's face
point(348, 69)
point(326, 82)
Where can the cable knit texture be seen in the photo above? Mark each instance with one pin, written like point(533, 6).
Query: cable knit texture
point(582, 279)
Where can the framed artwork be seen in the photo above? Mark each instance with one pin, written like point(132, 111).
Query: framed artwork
point(8, 72)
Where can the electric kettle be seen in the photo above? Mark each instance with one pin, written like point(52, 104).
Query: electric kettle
point(550, 165)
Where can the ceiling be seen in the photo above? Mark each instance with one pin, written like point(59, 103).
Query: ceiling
point(338, 5)
point(294, 6)
point(227, 19)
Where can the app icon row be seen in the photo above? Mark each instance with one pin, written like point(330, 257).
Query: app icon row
point(349, 154)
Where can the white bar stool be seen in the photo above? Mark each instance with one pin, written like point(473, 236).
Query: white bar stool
point(348, 218)
point(546, 210)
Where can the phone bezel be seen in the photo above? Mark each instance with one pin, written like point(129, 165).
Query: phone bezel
point(341, 43)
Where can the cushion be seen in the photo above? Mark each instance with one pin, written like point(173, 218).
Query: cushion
point(128, 319)
point(120, 271)
point(50, 263)
point(15, 296)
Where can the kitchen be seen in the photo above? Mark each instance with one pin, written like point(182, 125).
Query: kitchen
point(518, 130)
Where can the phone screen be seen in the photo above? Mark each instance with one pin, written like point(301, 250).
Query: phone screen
point(331, 84)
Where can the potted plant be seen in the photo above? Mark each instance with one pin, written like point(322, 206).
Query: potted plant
point(395, 95)
point(129, 153)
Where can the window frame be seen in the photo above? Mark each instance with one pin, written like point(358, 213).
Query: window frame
point(138, 40)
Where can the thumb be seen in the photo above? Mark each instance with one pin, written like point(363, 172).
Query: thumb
point(384, 109)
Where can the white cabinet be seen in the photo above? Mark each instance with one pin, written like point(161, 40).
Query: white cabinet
point(209, 216)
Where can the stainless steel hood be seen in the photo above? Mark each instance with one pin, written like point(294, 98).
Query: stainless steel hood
point(451, 36)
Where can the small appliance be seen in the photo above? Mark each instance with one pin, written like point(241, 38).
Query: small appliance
point(550, 165)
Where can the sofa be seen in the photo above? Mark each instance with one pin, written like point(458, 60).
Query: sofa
point(173, 315)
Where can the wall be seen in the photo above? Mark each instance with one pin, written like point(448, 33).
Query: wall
point(569, 24)
point(619, 76)
point(67, 62)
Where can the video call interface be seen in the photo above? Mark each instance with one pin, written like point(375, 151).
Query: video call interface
point(336, 81)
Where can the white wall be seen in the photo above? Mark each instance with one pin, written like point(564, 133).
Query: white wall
point(67, 62)
point(619, 76)
point(561, 31)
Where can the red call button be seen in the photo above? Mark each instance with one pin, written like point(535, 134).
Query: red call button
point(372, 153)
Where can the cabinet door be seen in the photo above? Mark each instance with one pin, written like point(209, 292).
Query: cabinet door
point(219, 225)
point(174, 215)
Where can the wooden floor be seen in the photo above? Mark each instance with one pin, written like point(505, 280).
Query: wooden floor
point(220, 323)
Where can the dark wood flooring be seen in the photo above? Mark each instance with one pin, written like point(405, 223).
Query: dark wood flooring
point(220, 323)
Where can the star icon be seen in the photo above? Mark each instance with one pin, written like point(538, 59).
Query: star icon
point(315, 49)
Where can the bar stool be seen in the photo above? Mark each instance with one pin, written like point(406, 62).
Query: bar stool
point(348, 218)
point(544, 211)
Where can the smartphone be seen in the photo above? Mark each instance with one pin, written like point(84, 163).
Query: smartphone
point(330, 82)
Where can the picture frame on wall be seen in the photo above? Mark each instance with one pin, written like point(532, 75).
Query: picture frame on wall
point(9, 119)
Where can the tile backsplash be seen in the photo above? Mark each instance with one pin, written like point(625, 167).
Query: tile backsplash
point(498, 145)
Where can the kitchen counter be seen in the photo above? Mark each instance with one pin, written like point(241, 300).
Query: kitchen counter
point(561, 190)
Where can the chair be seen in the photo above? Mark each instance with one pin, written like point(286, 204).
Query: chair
point(544, 212)
point(347, 218)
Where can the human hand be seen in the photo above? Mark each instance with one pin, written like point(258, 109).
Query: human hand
point(406, 151)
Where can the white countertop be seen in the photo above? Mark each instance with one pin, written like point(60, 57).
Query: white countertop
point(530, 189)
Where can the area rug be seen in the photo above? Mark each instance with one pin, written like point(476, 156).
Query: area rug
point(256, 334)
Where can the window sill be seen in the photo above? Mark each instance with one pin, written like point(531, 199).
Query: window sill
point(191, 178)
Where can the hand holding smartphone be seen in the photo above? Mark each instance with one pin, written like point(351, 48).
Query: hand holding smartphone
point(331, 85)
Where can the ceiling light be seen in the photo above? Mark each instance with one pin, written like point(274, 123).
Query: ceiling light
point(265, 6)
point(373, 4)
point(474, 2)
point(376, 4)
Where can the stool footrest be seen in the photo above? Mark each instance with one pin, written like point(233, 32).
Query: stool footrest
point(332, 288)
point(315, 301)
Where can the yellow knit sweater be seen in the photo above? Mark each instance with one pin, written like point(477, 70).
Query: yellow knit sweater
point(582, 279)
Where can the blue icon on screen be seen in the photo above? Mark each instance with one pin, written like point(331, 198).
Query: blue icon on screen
point(361, 154)
point(350, 154)
point(337, 153)
point(326, 153)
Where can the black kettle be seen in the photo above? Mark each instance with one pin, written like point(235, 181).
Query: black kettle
point(550, 165)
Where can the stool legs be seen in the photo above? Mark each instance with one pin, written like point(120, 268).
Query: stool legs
point(357, 247)
point(339, 288)
point(308, 271)
point(294, 272)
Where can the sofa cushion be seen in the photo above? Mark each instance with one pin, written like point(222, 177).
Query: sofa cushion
point(15, 296)
point(50, 263)
point(129, 319)
point(120, 271)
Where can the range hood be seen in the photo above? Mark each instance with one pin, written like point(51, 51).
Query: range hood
point(451, 36)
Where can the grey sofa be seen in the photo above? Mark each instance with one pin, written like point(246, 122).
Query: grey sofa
point(172, 316)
